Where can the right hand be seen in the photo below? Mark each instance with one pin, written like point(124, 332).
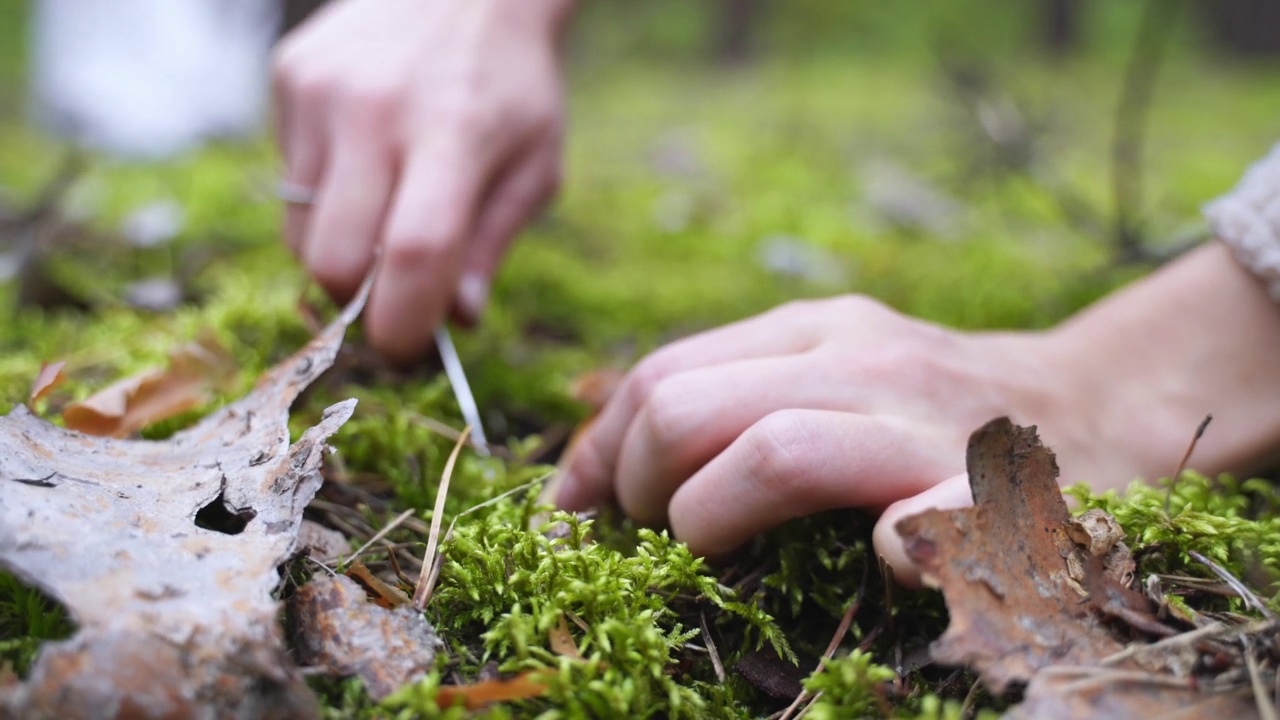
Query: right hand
point(429, 127)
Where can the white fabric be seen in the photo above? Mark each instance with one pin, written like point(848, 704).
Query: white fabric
point(151, 77)
point(1247, 219)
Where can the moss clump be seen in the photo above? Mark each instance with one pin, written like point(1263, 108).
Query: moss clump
point(27, 618)
point(1234, 523)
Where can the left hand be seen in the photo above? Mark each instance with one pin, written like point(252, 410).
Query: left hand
point(813, 406)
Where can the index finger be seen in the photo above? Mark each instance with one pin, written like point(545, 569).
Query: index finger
point(431, 217)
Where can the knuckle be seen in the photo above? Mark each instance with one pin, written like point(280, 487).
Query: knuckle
point(647, 376)
point(854, 305)
point(371, 100)
point(415, 249)
point(781, 447)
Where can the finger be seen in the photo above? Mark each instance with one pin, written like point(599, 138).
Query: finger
point(515, 200)
point(349, 209)
point(798, 462)
point(429, 221)
point(302, 141)
point(691, 417)
point(949, 494)
point(588, 473)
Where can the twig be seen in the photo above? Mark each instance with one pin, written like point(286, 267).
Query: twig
point(841, 630)
point(1266, 708)
point(1244, 592)
point(970, 698)
point(1186, 638)
point(711, 649)
point(421, 595)
point(1182, 464)
point(381, 534)
point(805, 710)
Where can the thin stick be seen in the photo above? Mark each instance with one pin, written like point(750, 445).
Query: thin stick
point(841, 630)
point(1244, 592)
point(1266, 708)
point(381, 534)
point(420, 595)
point(1182, 464)
point(711, 650)
point(805, 710)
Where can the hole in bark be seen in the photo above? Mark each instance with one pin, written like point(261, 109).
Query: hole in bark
point(218, 517)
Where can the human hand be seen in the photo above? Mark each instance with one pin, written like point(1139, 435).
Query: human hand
point(828, 404)
point(429, 127)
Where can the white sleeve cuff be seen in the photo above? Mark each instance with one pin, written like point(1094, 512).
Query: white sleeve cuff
point(1247, 219)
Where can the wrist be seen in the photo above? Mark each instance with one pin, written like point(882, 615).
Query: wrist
point(1198, 337)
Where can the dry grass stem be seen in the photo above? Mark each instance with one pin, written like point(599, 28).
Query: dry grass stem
point(422, 594)
point(381, 534)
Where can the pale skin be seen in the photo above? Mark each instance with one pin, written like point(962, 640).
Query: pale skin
point(428, 128)
point(844, 403)
point(431, 129)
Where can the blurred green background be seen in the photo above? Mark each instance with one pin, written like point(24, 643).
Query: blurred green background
point(953, 158)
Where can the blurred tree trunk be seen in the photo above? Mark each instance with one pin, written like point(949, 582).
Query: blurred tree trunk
point(736, 29)
point(1247, 27)
point(1061, 25)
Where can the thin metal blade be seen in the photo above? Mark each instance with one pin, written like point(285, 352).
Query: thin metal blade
point(461, 389)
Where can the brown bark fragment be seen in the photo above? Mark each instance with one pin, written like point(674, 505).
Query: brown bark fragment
point(166, 554)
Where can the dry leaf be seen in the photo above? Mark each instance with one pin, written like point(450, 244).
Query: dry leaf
point(335, 626)
point(562, 642)
point(476, 695)
point(136, 402)
point(166, 554)
point(49, 377)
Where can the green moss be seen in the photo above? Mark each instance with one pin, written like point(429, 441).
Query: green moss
point(27, 618)
point(640, 250)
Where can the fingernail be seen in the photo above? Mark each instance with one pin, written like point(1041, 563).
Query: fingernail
point(473, 296)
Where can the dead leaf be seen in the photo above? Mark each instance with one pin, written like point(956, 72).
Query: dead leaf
point(49, 377)
point(562, 642)
point(176, 620)
point(338, 628)
point(136, 402)
point(476, 695)
point(1014, 608)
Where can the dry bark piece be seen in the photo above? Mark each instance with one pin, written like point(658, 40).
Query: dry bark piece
point(1000, 564)
point(166, 554)
point(321, 543)
point(1124, 694)
point(337, 627)
point(1030, 590)
point(133, 403)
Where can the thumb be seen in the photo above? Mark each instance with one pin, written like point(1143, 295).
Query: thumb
point(949, 494)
